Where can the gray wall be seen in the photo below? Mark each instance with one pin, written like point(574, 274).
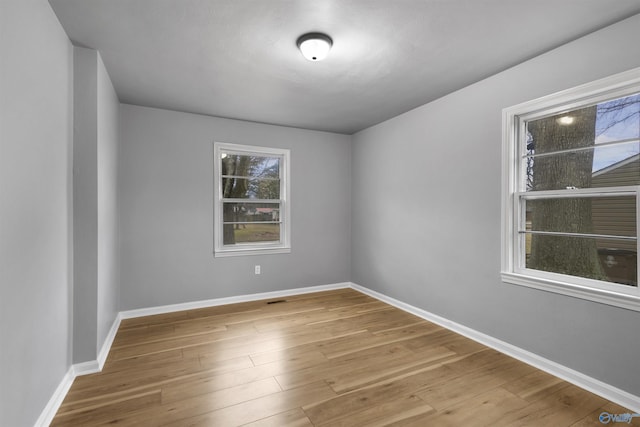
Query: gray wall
point(108, 132)
point(85, 206)
point(36, 73)
point(166, 209)
point(95, 204)
point(426, 214)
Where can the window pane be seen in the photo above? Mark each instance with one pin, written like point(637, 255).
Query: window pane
point(244, 188)
point(250, 166)
point(606, 166)
point(608, 121)
point(601, 259)
point(251, 212)
point(599, 215)
point(616, 165)
point(618, 119)
point(253, 232)
point(579, 135)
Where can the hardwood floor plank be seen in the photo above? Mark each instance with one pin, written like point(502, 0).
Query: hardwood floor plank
point(564, 407)
point(437, 336)
point(269, 342)
point(211, 381)
point(320, 342)
point(535, 385)
point(110, 382)
point(103, 412)
point(336, 358)
point(257, 409)
point(294, 418)
point(142, 332)
point(336, 349)
point(174, 411)
point(484, 409)
point(287, 354)
point(366, 306)
point(194, 386)
point(419, 323)
point(386, 413)
point(462, 345)
point(213, 364)
point(206, 382)
point(375, 394)
point(80, 407)
point(138, 362)
point(156, 319)
point(368, 358)
point(388, 367)
point(184, 342)
point(457, 390)
point(159, 336)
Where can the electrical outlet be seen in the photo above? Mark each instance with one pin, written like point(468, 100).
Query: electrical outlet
point(257, 269)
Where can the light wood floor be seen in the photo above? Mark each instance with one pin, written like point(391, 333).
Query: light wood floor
point(337, 358)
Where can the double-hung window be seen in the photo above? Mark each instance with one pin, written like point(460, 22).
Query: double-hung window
point(251, 200)
point(571, 184)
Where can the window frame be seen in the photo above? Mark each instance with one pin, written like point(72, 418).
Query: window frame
point(253, 248)
point(514, 119)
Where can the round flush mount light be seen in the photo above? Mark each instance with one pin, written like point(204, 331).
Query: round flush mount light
point(314, 46)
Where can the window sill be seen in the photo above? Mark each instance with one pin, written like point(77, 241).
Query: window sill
point(249, 252)
point(617, 299)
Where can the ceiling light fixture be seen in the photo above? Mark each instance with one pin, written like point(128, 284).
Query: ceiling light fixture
point(314, 46)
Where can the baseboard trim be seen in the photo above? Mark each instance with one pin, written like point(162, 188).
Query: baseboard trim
point(106, 346)
point(49, 411)
point(85, 368)
point(579, 379)
point(129, 314)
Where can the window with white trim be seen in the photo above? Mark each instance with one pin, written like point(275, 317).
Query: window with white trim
point(571, 183)
point(251, 200)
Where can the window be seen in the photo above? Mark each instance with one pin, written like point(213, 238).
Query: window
point(251, 194)
point(571, 181)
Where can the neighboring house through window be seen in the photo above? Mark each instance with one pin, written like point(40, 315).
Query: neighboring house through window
point(571, 178)
point(251, 198)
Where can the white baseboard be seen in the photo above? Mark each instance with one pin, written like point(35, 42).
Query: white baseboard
point(229, 300)
point(49, 411)
point(106, 346)
point(579, 379)
point(85, 368)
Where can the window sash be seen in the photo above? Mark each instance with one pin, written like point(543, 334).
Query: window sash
point(519, 212)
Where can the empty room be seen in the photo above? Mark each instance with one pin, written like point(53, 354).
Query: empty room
point(319, 213)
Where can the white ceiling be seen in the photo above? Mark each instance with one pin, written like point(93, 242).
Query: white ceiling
point(238, 58)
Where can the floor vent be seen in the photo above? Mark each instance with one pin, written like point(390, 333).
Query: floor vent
point(277, 301)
